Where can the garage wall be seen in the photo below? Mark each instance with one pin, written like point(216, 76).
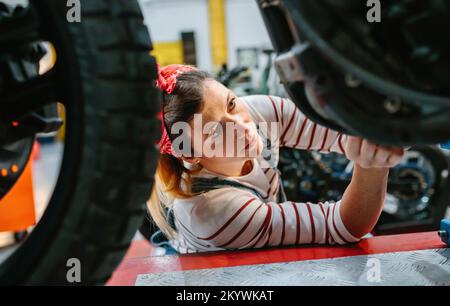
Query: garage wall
point(167, 18)
point(245, 28)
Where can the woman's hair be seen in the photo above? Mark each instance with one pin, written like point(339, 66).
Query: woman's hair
point(172, 178)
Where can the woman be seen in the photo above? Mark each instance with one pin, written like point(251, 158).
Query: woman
point(235, 200)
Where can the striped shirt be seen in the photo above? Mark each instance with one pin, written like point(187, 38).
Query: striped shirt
point(234, 218)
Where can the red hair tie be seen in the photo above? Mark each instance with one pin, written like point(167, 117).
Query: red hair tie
point(167, 79)
point(167, 76)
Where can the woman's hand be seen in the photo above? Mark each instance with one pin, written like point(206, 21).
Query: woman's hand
point(362, 202)
point(370, 155)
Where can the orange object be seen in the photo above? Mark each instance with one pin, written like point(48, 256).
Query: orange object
point(17, 206)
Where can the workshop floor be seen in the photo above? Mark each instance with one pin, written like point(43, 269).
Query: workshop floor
point(407, 259)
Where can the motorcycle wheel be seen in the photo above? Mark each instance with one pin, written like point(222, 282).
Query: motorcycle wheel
point(105, 77)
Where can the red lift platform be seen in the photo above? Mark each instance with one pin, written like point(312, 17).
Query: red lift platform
point(406, 259)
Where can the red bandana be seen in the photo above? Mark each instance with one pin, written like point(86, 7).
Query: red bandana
point(167, 79)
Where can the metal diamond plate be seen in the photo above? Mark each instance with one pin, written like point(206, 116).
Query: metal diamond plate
point(423, 267)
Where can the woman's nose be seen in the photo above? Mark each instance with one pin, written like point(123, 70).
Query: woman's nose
point(243, 124)
point(242, 119)
point(239, 121)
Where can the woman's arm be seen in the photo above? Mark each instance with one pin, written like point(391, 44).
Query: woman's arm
point(362, 202)
point(295, 130)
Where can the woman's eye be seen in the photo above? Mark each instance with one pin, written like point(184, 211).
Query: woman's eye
point(232, 104)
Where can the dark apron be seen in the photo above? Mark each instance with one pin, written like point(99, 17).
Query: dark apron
point(203, 185)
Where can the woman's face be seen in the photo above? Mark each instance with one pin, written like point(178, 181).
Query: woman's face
point(228, 136)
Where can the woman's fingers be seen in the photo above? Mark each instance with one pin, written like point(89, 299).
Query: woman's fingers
point(396, 157)
point(368, 150)
point(370, 155)
point(382, 155)
point(353, 147)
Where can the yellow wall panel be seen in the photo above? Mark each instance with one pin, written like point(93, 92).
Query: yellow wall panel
point(168, 52)
point(218, 33)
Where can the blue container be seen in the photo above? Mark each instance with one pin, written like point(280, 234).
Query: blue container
point(446, 145)
point(444, 233)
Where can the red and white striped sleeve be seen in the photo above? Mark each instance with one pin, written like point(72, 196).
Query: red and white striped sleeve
point(295, 129)
point(230, 218)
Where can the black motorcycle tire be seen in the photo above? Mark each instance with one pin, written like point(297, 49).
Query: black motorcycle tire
point(107, 77)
